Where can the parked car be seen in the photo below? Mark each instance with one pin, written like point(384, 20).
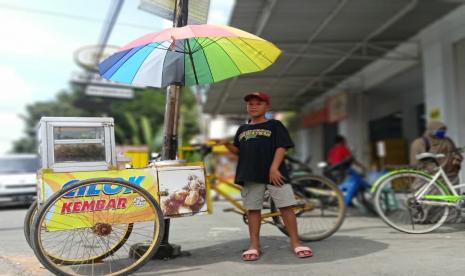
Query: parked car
point(18, 183)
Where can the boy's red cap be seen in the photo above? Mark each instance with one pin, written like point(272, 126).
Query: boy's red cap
point(260, 95)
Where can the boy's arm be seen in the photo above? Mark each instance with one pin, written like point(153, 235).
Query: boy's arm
point(276, 177)
point(229, 146)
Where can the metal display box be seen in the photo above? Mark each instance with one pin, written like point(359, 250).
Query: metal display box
point(68, 144)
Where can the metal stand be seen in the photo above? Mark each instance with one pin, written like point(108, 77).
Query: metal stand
point(170, 139)
point(170, 144)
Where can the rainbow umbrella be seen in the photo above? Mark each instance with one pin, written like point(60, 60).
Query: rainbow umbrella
point(190, 55)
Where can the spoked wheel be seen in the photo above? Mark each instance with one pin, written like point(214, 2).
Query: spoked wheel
point(113, 233)
point(28, 219)
point(397, 205)
point(320, 208)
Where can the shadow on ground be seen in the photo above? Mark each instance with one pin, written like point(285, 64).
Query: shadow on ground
point(275, 250)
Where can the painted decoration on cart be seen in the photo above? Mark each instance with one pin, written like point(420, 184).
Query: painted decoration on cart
point(111, 203)
point(183, 191)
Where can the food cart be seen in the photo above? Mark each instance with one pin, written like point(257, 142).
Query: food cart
point(92, 213)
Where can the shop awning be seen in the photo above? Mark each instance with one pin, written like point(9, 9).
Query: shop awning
point(323, 43)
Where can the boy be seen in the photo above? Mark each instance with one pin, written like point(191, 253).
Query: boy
point(261, 145)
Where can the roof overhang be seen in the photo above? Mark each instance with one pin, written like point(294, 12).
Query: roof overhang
point(323, 42)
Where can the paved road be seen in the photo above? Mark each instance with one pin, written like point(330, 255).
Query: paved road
point(363, 246)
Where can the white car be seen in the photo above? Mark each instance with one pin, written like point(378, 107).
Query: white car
point(18, 183)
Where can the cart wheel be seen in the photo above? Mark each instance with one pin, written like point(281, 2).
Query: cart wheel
point(112, 233)
point(28, 219)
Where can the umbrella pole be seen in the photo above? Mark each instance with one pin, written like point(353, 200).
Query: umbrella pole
point(170, 130)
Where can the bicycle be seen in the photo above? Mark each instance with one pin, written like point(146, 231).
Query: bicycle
point(414, 201)
point(320, 211)
point(297, 167)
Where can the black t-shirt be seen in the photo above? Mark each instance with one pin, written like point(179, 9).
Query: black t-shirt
point(257, 144)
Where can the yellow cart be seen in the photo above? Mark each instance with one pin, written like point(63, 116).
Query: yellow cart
point(92, 215)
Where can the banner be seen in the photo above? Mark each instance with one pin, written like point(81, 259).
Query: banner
point(99, 202)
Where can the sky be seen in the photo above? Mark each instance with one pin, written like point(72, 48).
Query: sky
point(40, 37)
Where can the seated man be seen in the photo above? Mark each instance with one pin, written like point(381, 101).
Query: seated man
point(434, 140)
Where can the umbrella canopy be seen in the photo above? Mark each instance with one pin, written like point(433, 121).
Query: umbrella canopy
point(190, 55)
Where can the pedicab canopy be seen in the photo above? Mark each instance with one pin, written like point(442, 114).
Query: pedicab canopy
point(73, 149)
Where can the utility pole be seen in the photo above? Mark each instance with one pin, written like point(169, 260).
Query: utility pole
point(170, 129)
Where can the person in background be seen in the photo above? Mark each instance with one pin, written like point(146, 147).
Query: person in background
point(339, 151)
point(340, 159)
point(434, 140)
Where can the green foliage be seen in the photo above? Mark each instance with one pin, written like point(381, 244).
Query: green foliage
point(146, 129)
point(137, 121)
point(61, 106)
point(189, 117)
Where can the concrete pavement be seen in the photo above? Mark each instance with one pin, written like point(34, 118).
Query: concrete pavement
point(363, 246)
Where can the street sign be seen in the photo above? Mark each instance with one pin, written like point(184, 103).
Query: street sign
point(87, 78)
point(337, 107)
point(198, 9)
point(109, 92)
point(86, 57)
point(96, 86)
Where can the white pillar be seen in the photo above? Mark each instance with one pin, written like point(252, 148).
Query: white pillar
point(302, 144)
point(355, 128)
point(444, 84)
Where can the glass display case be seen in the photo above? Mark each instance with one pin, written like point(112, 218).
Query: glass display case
point(76, 143)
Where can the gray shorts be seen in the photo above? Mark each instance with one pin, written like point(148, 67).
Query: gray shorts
point(253, 195)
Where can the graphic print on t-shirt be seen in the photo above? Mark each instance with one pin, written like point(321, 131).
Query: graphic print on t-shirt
point(253, 133)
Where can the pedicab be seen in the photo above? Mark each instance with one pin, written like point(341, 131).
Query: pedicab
point(95, 216)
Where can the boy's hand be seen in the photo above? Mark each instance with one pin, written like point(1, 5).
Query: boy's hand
point(276, 177)
point(222, 142)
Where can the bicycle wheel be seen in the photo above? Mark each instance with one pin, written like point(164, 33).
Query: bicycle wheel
point(397, 206)
point(112, 235)
point(28, 219)
point(320, 208)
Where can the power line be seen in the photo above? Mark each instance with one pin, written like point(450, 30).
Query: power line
point(69, 16)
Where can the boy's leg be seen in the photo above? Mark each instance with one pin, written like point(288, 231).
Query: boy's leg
point(254, 218)
point(252, 195)
point(291, 225)
point(283, 197)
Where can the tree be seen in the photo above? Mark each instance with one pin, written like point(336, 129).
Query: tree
point(61, 106)
point(137, 121)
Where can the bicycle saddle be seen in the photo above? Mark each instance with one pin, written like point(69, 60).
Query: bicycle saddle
point(429, 155)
